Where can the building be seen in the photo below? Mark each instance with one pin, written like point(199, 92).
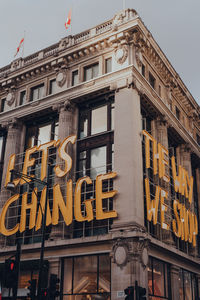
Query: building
point(107, 121)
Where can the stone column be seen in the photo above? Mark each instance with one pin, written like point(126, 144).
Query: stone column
point(13, 146)
point(67, 127)
point(129, 202)
point(129, 264)
point(174, 271)
point(161, 135)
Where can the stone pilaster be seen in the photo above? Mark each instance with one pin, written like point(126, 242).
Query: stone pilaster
point(67, 116)
point(13, 146)
point(129, 202)
point(129, 263)
point(174, 271)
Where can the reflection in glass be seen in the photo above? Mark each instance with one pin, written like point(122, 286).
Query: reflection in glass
point(75, 78)
point(98, 161)
point(99, 120)
point(91, 72)
point(37, 92)
point(53, 87)
point(187, 285)
point(108, 67)
point(85, 275)
point(44, 134)
point(180, 281)
point(82, 164)
point(1, 148)
point(104, 273)
point(67, 284)
point(83, 125)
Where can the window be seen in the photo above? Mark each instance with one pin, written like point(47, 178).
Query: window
point(143, 70)
point(177, 113)
point(3, 102)
point(37, 92)
point(22, 99)
point(187, 285)
point(158, 279)
point(198, 139)
point(108, 65)
point(159, 90)
point(152, 80)
point(53, 88)
point(2, 151)
point(75, 78)
point(91, 72)
point(88, 276)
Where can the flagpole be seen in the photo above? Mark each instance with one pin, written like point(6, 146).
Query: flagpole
point(23, 45)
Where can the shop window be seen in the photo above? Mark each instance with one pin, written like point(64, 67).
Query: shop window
point(91, 72)
point(152, 80)
point(75, 78)
point(53, 88)
point(86, 277)
point(108, 65)
point(3, 102)
point(22, 99)
point(37, 92)
point(188, 288)
point(158, 279)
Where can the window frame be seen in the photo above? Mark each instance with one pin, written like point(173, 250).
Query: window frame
point(152, 80)
point(37, 87)
point(91, 66)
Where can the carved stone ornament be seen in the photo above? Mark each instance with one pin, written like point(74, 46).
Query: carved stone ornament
point(121, 54)
point(10, 98)
point(61, 78)
point(138, 56)
point(120, 253)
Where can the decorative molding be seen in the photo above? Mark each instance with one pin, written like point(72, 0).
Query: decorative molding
point(121, 53)
point(131, 249)
point(61, 77)
point(10, 98)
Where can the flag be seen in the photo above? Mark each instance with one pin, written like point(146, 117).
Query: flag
point(68, 21)
point(20, 44)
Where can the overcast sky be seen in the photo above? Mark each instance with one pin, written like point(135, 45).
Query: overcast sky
point(174, 24)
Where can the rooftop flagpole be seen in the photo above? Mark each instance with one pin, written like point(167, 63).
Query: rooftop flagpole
point(23, 45)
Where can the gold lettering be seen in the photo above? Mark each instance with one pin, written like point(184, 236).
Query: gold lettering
point(44, 149)
point(149, 138)
point(41, 210)
point(32, 206)
point(28, 163)
point(152, 205)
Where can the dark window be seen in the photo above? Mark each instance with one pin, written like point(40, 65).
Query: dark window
point(143, 70)
point(75, 78)
point(177, 113)
point(198, 139)
point(53, 88)
point(158, 279)
point(108, 65)
point(37, 92)
point(89, 276)
point(159, 90)
point(2, 152)
point(152, 80)
point(3, 102)
point(22, 99)
point(91, 72)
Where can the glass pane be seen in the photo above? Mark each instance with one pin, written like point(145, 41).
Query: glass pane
point(1, 148)
point(88, 74)
point(85, 274)
point(56, 131)
point(150, 279)
point(67, 283)
point(44, 134)
point(187, 285)
point(112, 117)
point(95, 72)
point(109, 65)
point(158, 278)
point(99, 120)
point(35, 94)
point(22, 98)
point(181, 294)
point(98, 161)
point(88, 297)
point(74, 78)
point(53, 87)
point(104, 273)
point(83, 125)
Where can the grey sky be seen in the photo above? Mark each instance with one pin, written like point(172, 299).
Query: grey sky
point(175, 25)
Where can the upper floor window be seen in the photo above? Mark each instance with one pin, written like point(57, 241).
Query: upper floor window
point(91, 71)
point(108, 65)
point(143, 70)
point(152, 80)
point(53, 88)
point(22, 99)
point(37, 92)
point(74, 77)
point(177, 113)
point(198, 139)
point(2, 104)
